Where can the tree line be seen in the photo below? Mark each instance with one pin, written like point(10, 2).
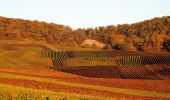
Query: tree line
point(149, 35)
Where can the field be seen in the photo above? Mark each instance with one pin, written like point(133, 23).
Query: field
point(36, 71)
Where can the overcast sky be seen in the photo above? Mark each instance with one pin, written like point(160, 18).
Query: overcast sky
point(85, 13)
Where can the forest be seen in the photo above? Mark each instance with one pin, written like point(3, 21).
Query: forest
point(150, 35)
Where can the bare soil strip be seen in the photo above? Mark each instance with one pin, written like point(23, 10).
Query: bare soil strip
point(133, 92)
point(60, 88)
point(150, 85)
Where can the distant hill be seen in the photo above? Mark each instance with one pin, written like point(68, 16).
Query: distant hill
point(149, 35)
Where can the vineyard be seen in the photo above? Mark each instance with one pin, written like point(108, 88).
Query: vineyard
point(91, 63)
point(38, 72)
point(117, 64)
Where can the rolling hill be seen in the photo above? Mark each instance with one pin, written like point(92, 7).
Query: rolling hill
point(36, 71)
point(40, 60)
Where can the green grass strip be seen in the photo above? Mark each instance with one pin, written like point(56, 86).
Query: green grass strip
point(8, 92)
point(134, 92)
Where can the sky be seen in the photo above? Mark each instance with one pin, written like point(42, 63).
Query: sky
point(85, 13)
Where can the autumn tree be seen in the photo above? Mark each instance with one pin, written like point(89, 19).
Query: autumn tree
point(118, 41)
point(149, 35)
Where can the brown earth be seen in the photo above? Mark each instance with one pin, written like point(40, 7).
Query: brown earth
point(65, 89)
point(150, 85)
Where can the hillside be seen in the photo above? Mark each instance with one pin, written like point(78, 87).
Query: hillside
point(149, 35)
point(35, 71)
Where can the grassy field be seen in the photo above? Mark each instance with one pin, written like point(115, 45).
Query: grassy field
point(34, 71)
point(21, 93)
point(86, 86)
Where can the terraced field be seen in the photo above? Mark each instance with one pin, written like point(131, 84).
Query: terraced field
point(36, 72)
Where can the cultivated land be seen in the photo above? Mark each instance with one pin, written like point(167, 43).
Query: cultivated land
point(36, 71)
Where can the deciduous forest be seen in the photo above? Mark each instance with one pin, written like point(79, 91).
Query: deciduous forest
point(149, 35)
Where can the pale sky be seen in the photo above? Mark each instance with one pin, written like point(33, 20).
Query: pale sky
point(85, 13)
